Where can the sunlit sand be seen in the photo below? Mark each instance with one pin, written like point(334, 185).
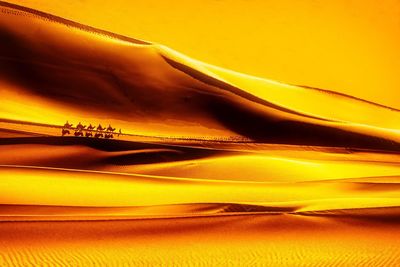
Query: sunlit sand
point(212, 167)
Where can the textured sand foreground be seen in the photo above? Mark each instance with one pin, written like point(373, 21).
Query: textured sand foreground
point(265, 240)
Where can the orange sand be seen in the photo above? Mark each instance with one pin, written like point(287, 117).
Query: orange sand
point(214, 168)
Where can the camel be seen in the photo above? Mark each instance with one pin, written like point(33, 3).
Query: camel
point(89, 131)
point(67, 125)
point(110, 129)
point(90, 127)
point(80, 127)
point(65, 129)
point(100, 128)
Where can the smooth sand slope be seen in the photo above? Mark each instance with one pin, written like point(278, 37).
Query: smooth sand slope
point(148, 88)
point(253, 172)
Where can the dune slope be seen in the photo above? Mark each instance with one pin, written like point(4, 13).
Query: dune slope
point(152, 89)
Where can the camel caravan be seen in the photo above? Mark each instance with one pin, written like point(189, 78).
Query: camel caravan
point(89, 131)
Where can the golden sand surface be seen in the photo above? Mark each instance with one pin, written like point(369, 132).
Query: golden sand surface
point(212, 168)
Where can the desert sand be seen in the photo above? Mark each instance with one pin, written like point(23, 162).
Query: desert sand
point(213, 168)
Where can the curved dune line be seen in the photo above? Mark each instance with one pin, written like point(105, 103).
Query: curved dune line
point(229, 88)
point(348, 108)
point(31, 213)
point(393, 179)
point(326, 91)
point(22, 10)
point(12, 133)
point(138, 176)
point(191, 163)
point(348, 204)
point(187, 209)
point(116, 175)
point(378, 213)
point(269, 168)
point(92, 188)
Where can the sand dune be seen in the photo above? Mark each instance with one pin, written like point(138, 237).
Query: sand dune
point(171, 160)
point(69, 187)
point(214, 167)
point(186, 97)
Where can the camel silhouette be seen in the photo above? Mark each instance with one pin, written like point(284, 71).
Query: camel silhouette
point(90, 127)
point(65, 129)
point(89, 131)
point(110, 129)
point(100, 128)
point(67, 125)
point(80, 127)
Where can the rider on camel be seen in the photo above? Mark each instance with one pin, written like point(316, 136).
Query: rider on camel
point(80, 127)
point(67, 125)
point(110, 129)
point(100, 128)
point(91, 127)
